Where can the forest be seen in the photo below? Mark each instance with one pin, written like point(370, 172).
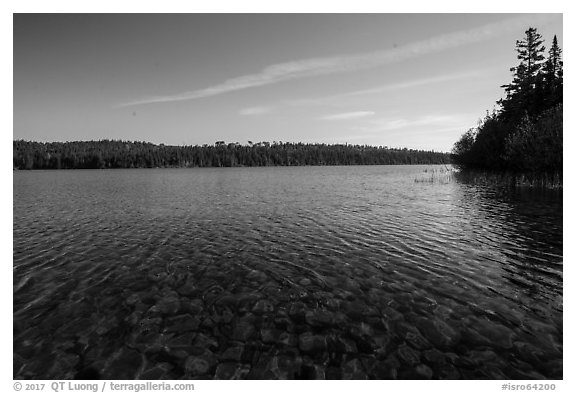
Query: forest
point(123, 154)
point(524, 134)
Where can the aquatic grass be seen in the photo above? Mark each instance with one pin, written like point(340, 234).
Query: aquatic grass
point(447, 174)
point(436, 175)
point(510, 179)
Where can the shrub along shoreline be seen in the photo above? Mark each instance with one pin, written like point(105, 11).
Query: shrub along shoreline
point(522, 140)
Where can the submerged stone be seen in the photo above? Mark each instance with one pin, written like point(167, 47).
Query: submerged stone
point(310, 370)
point(200, 362)
point(282, 320)
point(448, 371)
point(408, 355)
point(208, 323)
point(319, 318)
point(182, 323)
point(333, 373)
point(232, 371)
point(169, 306)
point(497, 335)
point(257, 276)
point(298, 311)
point(150, 324)
point(381, 343)
point(181, 341)
point(224, 317)
point(434, 356)
point(371, 311)
point(371, 365)
point(424, 371)
point(389, 368)
point(354, 310)
point(243, 330)
point(288, 339)
point(124, 366)
point(64, 364)
point(193, 307)
point(104, 327)
point(438, 332)
point(309, 342)
point(285, 366)
point(233, 353)
point(157, 276)
point(479, 358)
point(204, 341)
point(133, 299)
point(157, 372)
point(270, 336)
point(148, 342)
point(134, 318)
point(228, 301)
point(353, 370)
point(416, 341)
point(339, 344)
point(262, 306)
point(188, 289)
point(246, 302)
point(196, 366)
point(333, 304)
point(361, 330)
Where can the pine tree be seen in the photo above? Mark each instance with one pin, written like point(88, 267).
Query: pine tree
point(554, 63)
point(522, 93)
point(553, 75)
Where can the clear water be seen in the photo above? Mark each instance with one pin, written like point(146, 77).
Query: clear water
point(306, 272)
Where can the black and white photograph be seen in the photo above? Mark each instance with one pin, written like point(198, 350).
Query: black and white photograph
point(287, 196)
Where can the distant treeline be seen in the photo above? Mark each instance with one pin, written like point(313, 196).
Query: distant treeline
point(122, 154)
point(525, 134)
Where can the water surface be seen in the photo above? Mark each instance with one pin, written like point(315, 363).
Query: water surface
point(284, 272)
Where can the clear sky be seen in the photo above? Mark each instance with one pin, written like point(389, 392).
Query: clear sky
point(399, 80)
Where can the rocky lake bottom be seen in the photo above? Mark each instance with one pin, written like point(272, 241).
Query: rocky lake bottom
point(244, 324)
point(283, 273)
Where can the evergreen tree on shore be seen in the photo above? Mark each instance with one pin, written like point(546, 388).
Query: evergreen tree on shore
point(553, 75)
point(524, 93)
point(124, 154)
point(525, 134)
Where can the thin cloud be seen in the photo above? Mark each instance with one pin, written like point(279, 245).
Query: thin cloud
point(385, 88)
point(417, 122)
point(255, 110)
point(348, 115)
point(417, 83)
point(426, 124)
point(348, 63)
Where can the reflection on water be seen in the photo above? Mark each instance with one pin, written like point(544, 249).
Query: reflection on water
point(308, 272)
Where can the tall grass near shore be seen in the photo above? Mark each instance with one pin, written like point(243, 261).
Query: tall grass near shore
point(510, 179)
point(436, 175)
point(491, 178)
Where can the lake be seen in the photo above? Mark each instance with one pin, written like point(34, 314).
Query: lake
point(355, 272)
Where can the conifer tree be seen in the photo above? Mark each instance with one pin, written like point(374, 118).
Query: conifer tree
point(523, 92)
point(553, 75)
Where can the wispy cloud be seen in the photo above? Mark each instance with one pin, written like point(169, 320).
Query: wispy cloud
point(255, 110)
point(348, 63)
point(415, 125)
point(414, 83)
point(429, 120)
point(386, 88)
point(347, 115)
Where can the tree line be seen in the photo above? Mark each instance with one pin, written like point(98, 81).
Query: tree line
point(124, 154)
point(524, 135)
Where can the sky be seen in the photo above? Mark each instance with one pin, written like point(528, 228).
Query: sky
point(399, 80)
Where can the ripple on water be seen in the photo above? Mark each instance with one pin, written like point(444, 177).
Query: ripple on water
point(335, 272)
